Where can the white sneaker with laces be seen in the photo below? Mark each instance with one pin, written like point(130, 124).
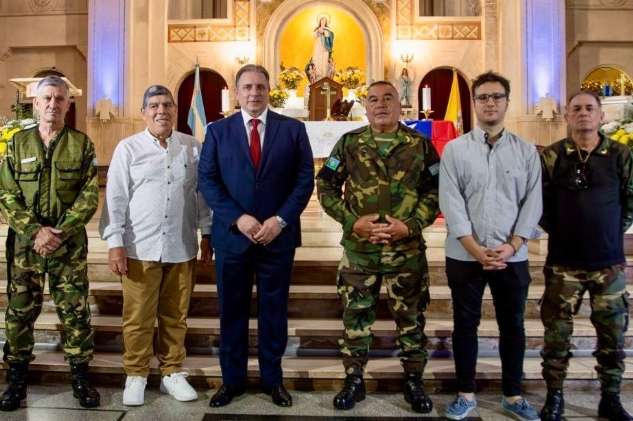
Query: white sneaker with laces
point(177, 386)
point(134, 393)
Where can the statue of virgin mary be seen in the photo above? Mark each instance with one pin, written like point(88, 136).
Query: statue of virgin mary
point(323, 45)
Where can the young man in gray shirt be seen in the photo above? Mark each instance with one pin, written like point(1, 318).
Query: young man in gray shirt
point(490, 195)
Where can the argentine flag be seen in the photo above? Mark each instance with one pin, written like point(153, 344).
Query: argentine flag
point(197, 120)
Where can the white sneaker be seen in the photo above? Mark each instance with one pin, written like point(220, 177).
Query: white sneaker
point(177, 386)
point(134, 393)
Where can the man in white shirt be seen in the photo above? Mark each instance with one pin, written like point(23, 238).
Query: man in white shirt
point(150, 221)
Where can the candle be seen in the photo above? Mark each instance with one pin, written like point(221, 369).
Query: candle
point(226, 107)
point(426, 98)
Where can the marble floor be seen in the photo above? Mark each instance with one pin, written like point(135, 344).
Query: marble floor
point(54, 402)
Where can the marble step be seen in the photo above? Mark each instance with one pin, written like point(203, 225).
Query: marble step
point(313, 265)
point(305, 301)
point(312, 335)
point(315, 261)
point(326, 373)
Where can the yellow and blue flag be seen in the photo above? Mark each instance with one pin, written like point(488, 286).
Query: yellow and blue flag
point(454, 107)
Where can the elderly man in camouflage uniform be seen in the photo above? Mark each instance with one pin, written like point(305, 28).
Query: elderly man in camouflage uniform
point(390, 175)
point(587, 207)
point(48, 192)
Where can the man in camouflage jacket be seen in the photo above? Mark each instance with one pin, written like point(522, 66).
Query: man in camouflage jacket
point(48, 192)
point(587, 207)
point(390, 175)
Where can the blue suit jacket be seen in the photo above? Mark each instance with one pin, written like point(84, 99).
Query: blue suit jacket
point(282, 185)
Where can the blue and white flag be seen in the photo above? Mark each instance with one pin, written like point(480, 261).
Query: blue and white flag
point(197, 120)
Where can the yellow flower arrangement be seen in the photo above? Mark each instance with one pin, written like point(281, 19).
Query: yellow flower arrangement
point(349, 77)
point(9, 128)
point(361, 93)
point(278, 97)
point(290, 77)
point(620, 131)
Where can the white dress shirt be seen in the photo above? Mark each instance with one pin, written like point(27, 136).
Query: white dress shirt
point(153, 208)
point(261, 128)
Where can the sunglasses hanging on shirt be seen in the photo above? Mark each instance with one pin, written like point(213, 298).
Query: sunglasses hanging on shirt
point(581, 175)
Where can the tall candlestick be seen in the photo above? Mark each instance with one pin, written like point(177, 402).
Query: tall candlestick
point(426, 98)
point(226, 107)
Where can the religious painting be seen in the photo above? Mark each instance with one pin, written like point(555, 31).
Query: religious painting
point(321, 40)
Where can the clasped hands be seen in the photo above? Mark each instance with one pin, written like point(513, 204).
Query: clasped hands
point(367, 226)
point(47, 240)
point(257, 232)
point(495, 259)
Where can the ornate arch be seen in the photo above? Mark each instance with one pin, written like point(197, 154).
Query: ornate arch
point(357, 8)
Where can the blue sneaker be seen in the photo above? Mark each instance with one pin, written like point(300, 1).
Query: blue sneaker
point(460, 408)
point(521, 410)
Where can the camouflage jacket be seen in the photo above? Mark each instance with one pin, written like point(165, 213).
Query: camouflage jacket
point(54, 186)
point(403, 185)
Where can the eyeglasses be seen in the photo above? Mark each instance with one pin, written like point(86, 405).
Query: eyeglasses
point(496, 97)
point(581, 176)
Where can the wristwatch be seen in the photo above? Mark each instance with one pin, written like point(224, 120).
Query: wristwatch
point(282, 224)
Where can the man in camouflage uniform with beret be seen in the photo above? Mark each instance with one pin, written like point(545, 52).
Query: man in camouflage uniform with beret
point(48, 192)
point(390, 173)
point(587, 207)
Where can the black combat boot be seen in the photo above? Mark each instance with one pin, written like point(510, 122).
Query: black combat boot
point(16, 387)
point(353, 391)
point(554, 406)
point(611, 408)
point(82, 390)
point(415, 395)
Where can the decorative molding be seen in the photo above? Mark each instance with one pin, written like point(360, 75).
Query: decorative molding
point(43, 7)
point(491, 34)
point(202, 31)
point(409, 26)
point(600, 4)
point(4, 55)
point(445, 31)
point(83, 50)
point(404, 12)
point(596, 42)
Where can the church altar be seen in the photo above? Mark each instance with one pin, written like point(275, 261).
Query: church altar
point(616, 107)
point(323, 135)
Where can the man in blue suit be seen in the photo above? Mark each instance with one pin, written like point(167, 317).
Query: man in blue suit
point(256, 172)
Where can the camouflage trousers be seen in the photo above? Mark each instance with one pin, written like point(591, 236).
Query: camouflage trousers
point(408, 296)
point(68, 285)
point(564, 290)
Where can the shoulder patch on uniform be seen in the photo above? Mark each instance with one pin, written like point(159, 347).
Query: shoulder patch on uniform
point(94, 162)
point(434, 169)
point(332, 163)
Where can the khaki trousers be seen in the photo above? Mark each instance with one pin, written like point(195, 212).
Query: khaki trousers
point(155, 291)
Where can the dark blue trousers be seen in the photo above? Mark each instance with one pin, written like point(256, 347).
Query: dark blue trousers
point(235, 274)
point(509, 288)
